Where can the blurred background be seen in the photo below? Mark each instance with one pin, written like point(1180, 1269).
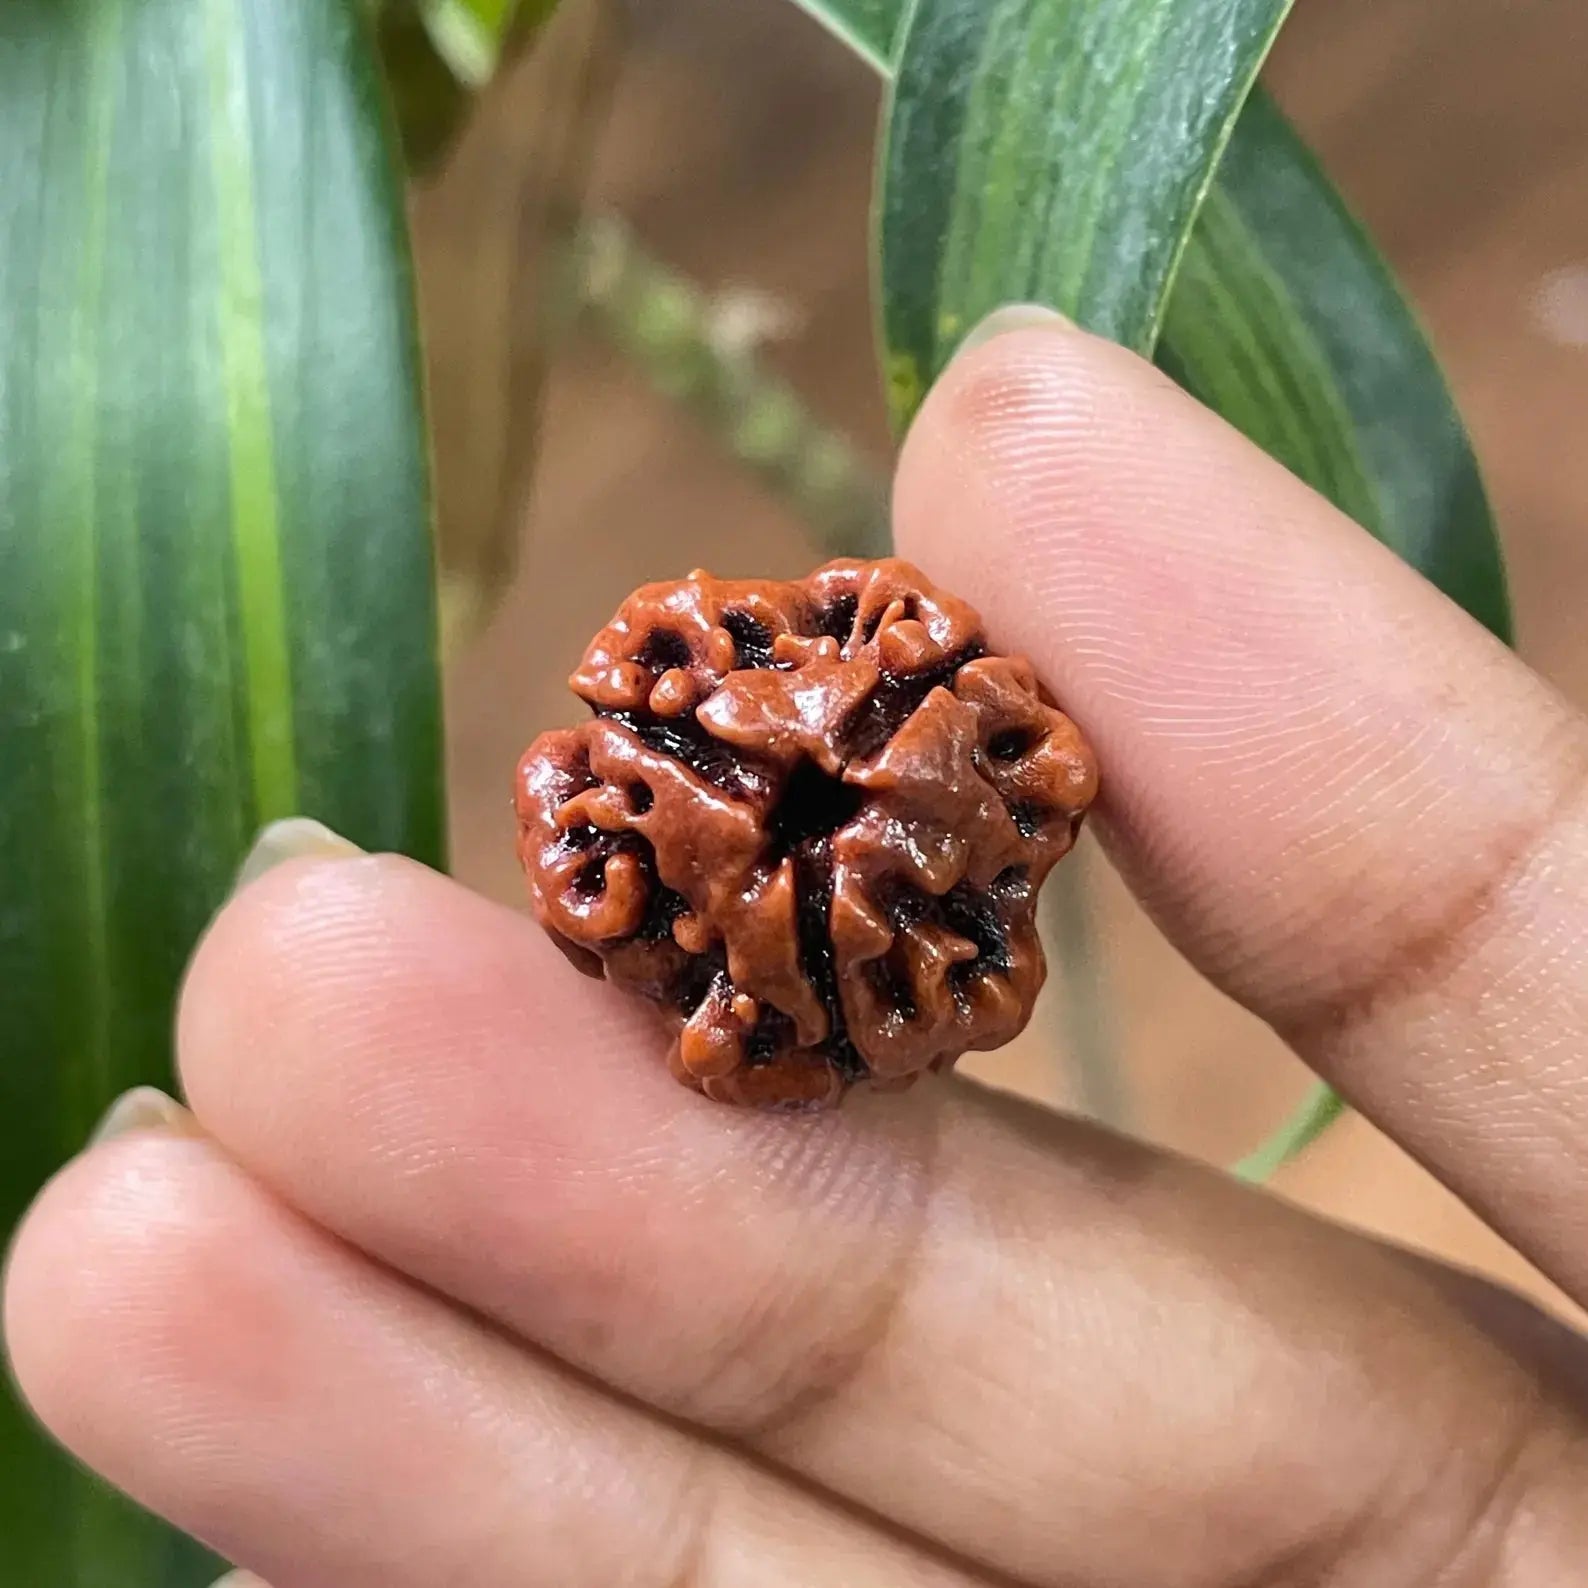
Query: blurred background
point(736, 143)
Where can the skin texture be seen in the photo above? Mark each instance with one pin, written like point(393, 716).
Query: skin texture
point(447, 1282)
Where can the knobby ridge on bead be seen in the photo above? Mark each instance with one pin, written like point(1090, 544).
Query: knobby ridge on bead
point(809, 819)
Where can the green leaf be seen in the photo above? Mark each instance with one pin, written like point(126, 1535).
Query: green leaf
point(471, 36)
point(1285, 320)
point(216, 597)
point(1052, 152)
point(438, 54)
point(466, 35)
point(1321, 1107)
point(869, 27)
point(430, 104)
point(1279, 314)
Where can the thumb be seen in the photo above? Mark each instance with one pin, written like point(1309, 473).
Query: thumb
point(1347, 803)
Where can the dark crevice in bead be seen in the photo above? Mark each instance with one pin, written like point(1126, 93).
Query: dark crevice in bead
point(1027, 816)
point(773, 1033)
point(894, 701)
point(976, 916)
point(1011, 882)
point(700, 974)
point(752, 639)
point(980, 918)
point(590, 880)
point(891, 987)
point(812, 805)
point(664, 907)
point(1011, 744)
point(663, 649)
point(813, 882)
point(837, 618)
point(685, 740)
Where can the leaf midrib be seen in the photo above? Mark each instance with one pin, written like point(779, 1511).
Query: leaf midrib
point(255, 517)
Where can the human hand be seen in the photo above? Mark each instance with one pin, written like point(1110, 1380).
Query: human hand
point(446, 1281)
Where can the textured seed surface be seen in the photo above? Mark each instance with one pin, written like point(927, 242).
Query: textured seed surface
point(809, 819)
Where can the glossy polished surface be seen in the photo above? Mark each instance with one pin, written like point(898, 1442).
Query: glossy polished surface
point(809, 819)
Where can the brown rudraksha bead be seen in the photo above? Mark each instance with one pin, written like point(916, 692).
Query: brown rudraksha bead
point(810, 820)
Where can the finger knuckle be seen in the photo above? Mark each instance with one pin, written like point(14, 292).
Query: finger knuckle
point(1432, 937)
point(1493, 1513)
point(819, 1319)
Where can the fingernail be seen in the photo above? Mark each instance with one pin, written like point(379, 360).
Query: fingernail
point(143, 1108)
point(1013, 317)
point(295, 838)
point(240, 1579)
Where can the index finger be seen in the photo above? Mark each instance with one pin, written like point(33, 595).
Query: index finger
point(1350, 806)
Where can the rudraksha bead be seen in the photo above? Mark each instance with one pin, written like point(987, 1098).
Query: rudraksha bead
point(809, 819)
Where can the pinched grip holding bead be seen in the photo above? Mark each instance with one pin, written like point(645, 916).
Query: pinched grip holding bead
point(810, 820)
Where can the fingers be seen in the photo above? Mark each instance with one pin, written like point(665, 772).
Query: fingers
point(1001, 1332)
point(309, 1414)
point(1351, 807)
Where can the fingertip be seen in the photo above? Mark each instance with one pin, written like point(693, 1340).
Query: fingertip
point(364, 1001)
point(1338, 794)
point(292, 838)
point(85, 1260)
point(290, 926)
point(1012, 317)
point(38, 1275)
point(57, 1295)
point(1048, 481)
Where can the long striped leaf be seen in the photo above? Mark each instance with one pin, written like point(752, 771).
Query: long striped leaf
point(1285, 319)
point(216, 596)
point(1280, 313)
point(1051, 151)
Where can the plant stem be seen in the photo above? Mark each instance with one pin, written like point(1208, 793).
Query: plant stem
point(687, 344)
point(1322, 1107)
point(509, 200)
point(1086, 1034)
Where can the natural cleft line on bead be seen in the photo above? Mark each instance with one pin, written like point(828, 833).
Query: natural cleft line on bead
point(809, 819)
